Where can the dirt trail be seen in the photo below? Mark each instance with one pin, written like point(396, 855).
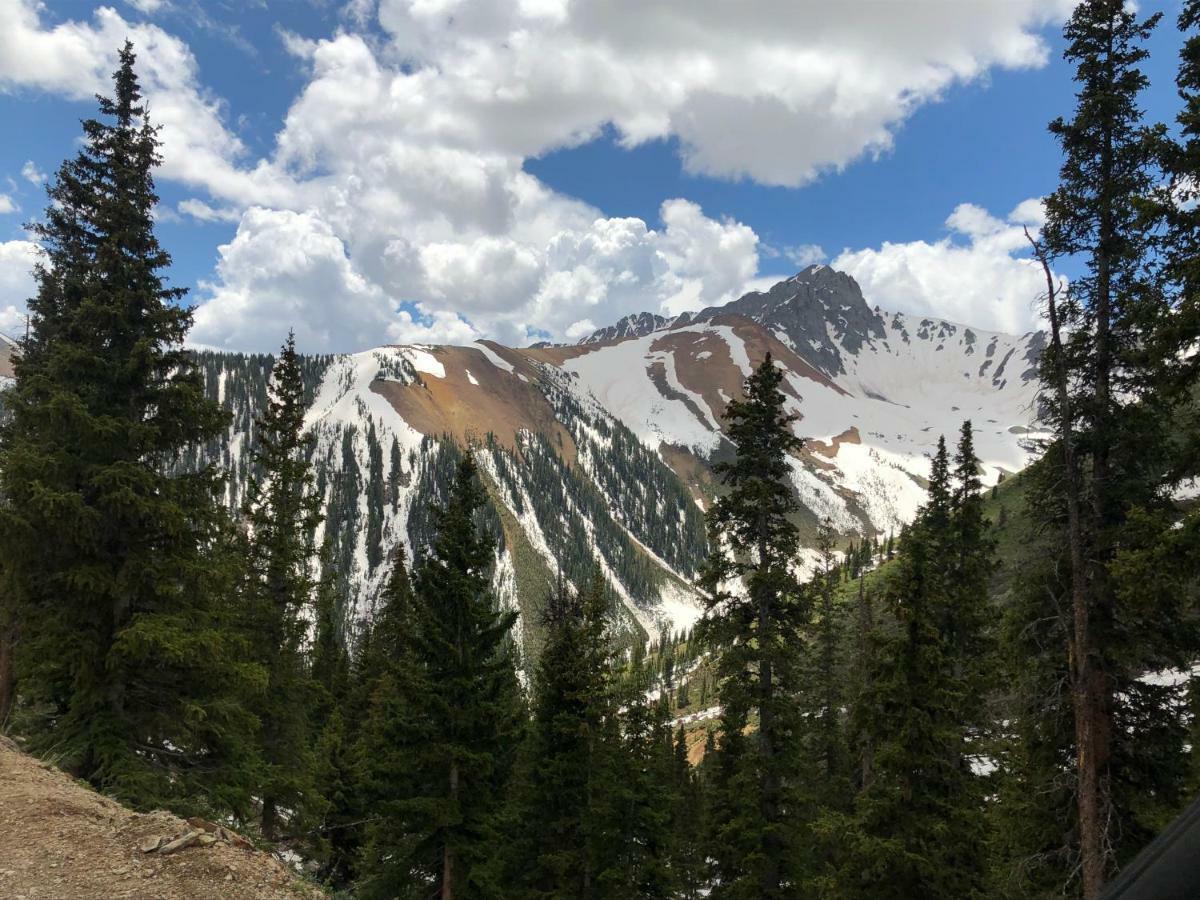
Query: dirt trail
point(59, 839)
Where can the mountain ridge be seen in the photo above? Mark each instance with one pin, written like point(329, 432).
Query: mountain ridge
point(601, 452)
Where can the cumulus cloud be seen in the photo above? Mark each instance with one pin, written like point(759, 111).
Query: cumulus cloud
point(7, 204)
point(76, 59)
point(396, 189)
point(31, 173)
point(777, 90)
point(17, 259)
point(147, 7)
point(975, 274)
point(287, 270)
point(804, 255)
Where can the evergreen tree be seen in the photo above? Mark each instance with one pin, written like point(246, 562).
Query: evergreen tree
point(1179, 244)
point(824, 697)
point(917, 823)
point(754, 616)
point(347, 745)
point(688, 824)
point(335, 719)
point(1107, 401)
point(375, 498)
point(446, 723)
point(330, 666)
point(129, 652)
point(573, 698)
point(340, 776)
point(644, 794)
point(386, 635)
point(282, 510)
point(967, 626)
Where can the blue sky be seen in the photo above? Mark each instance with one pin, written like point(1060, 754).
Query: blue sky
point(332, 166)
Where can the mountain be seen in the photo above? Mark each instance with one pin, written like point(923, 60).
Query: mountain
point(602, 451)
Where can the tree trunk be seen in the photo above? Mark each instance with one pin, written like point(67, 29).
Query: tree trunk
point(1086, 681)
point(8, 674)
point(270, 818)
point(447, 850)
point(769, 784)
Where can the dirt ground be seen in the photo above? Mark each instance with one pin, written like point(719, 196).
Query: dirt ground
point(59, 839)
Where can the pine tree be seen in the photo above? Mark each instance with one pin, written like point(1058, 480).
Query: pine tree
point(1104, 371)
point(643, 869)
point(382, 649)
point(351, 782)
point(282, 510)
point(447, 722)
point(330, 666)
point(823, 695)
point(754, 616)
point(1180, 238)
point(688, 824)
point(572, 699)
point(334, 720)
point(128, 648)
point(968, 624)
point(917, 823)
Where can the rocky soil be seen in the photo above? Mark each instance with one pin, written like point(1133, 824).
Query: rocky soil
point(59, 839)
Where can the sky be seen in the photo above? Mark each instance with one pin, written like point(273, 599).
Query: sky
point(437, 171)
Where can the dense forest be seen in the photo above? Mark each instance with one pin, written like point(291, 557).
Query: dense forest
point(997, 702)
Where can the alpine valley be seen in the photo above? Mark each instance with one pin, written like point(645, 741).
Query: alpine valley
point(603, 451)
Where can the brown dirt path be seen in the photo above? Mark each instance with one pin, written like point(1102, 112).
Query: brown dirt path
point(61, 841)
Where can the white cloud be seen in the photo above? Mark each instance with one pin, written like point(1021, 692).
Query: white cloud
point(975, 275)
point(147, 7)
point(289, 270)
point(31, 173)
point(17, 259)
point(398, 173)
point(201, 211)
point(8, 205)
point(804, 255)
point(712, 260)
point(776, 90)
point(76, 59)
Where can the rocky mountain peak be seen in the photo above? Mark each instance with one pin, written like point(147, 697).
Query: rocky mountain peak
point(819, 312)
point(634, 325)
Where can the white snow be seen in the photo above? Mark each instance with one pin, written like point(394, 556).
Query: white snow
point(424, 361)
point(678, 606)
point(900, 392)
point(493, 357)
point(618, 377)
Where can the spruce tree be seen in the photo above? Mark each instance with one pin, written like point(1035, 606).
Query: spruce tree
point(572, 699)
point(129, 651)
point(917, 824)
point(282, 510)
point(353, 761)
point(330, 660)
point(335, 719)
point(824, 696)
point(1179, 243)
point(643, 867)
point(447, 721)
point(1105, 371)
point(688, 823)
point(382, 648)
point(754, 615)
